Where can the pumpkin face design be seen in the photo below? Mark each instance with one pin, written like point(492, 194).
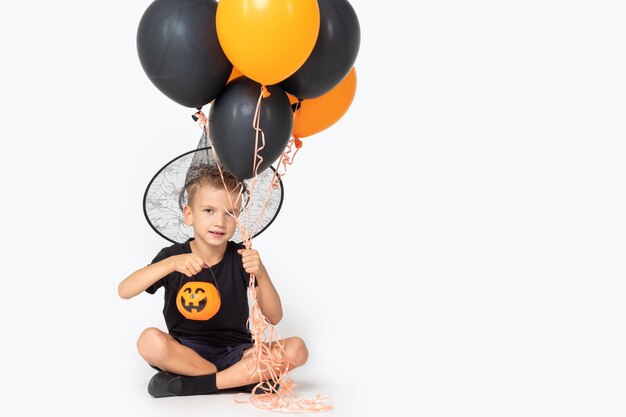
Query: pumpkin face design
point(198, 300)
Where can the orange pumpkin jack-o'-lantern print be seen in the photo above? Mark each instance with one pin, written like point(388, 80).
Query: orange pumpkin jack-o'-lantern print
point(198, 300)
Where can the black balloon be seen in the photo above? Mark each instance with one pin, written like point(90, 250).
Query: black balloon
point(232, 130)
point(179, 50)
point(334, 53)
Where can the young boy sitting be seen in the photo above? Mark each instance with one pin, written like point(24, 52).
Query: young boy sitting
point(203, 350)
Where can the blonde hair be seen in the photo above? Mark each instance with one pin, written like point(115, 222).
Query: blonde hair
point(208, 175)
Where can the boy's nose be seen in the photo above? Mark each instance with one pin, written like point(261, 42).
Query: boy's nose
point(220, 221)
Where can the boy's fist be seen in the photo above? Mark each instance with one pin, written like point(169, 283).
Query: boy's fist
point(251, 261)
point(189, 264)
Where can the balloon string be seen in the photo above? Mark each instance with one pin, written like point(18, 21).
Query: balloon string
point(286, 159)
point(256, 124)
point(270, 363)
point(274, 182)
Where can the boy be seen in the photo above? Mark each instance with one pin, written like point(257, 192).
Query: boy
point(202, 354)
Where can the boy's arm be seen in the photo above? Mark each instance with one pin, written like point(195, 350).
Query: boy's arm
point(267, 296)
point(189, 264)
point(138, 281)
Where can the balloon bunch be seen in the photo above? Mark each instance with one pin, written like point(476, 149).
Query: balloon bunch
point(275, 71)
point(281, 68)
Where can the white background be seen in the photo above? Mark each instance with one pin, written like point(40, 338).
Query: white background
point(453, 246)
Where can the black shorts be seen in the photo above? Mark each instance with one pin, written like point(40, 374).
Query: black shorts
point(221, 357)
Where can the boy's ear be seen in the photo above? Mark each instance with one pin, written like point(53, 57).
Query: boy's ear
point(187, 215)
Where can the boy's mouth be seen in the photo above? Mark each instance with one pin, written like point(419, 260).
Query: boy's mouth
point(216, 234)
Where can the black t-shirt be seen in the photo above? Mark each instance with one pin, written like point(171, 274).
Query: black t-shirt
point(189, 301)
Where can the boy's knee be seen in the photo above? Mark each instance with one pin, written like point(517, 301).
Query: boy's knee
point(297, 352)
point(152, 344)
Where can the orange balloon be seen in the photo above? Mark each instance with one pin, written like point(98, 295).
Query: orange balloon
point(235, 73)
point(320, 113)
point(267, 40)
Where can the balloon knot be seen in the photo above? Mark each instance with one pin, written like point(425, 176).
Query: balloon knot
point(265, 92)
point(200, 118)
point(297, 142)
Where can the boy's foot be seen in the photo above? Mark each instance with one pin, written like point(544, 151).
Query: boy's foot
point(165, 384)
point(157, 387)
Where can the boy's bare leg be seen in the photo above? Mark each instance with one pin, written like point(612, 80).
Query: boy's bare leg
point(162, 350)
point(239, 374)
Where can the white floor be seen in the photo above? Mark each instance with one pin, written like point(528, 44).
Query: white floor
point(120, 390)
point(133, 399)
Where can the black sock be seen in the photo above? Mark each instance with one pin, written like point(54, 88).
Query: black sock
point(192, 385)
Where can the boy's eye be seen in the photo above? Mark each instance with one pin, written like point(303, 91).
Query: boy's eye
point(208, 210)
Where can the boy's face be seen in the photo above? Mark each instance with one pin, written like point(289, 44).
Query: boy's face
point(209, 215)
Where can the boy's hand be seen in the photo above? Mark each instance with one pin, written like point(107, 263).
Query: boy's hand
point(252, 261)
point(188, 263)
